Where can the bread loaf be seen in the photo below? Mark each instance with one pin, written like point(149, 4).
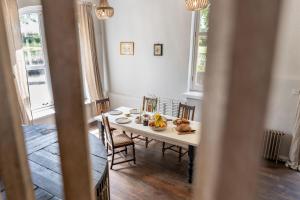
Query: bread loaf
point(180, 121)
point(183, 128)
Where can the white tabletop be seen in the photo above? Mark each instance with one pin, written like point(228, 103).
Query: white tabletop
point(170, 135)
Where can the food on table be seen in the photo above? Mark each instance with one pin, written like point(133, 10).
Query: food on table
point(183, 126)
point(158, 121)
point(181, 121)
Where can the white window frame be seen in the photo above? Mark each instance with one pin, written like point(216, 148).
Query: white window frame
point(38, 9)
point(194, 52)
point(192, 84)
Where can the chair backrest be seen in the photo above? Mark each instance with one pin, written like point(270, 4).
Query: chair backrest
point(186, 111)
point(150, 104)
point(108, 132)
point(102, 106)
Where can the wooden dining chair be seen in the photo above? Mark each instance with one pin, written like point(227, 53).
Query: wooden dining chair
point(102, 106)
point(149, 105)
point(115, 140)
point(184, 112)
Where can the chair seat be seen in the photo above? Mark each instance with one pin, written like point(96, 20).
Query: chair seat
point(121, 140)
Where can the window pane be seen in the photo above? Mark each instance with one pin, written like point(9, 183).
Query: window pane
point(203, 26)
point(37, 70)
point(201, 57)
point(32, 39)
point(202, 47)
point(201, 60)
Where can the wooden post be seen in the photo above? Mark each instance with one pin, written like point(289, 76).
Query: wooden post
point(240, 54)
point(65, 70)
point(14, 165)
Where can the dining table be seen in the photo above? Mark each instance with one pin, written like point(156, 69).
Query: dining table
point(189, 141)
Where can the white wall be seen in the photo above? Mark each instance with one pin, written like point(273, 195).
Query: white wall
point(147, 22)
point(282, 106)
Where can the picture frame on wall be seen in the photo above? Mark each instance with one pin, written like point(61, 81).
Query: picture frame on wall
point(127, 48)
point(158, 49)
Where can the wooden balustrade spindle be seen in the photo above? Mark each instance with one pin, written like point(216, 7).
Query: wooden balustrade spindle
point(241, 44)
point(65, 70)
point(13, 161)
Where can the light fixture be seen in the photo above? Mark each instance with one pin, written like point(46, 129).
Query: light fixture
point(194, 5)
point(104, 10)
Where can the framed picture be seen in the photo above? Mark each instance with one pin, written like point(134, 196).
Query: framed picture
point(126, 48)
point(158, 49)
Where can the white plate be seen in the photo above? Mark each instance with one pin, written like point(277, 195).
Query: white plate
point(115, 112)
point(134, 111)
point(123, 120)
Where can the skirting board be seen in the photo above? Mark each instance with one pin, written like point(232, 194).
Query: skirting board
point(283, 158)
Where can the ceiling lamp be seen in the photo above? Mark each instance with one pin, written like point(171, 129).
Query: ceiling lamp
point(194, 5)
point(104, 10)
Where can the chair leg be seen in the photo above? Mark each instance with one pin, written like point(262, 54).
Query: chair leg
point(106, 147)
point(147, 142)
point(126, 152)
point(163, 148)
point(133, 152)
point(112, 158)
point(131, 135)
point(180, 154)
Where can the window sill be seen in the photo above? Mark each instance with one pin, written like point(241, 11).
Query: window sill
point(193, 95)
point(38, 114)
point(43, 113)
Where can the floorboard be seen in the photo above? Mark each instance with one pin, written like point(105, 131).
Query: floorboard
point(155, 177)
point(158, 177)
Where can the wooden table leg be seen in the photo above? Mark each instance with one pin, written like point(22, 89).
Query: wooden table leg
point(101, 131)
point(191, 153)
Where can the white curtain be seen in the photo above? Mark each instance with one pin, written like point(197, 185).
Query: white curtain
point(89, 58)
point(294, 155)
point(16, 56)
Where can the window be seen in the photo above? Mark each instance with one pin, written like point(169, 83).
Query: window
point(35, 56)
point(199, 49)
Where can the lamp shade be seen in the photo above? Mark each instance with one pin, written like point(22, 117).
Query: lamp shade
point(194, 5)
point(104, 10)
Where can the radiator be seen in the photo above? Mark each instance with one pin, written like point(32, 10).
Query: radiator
point(271, 144)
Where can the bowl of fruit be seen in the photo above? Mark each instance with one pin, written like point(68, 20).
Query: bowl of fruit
point(158, 123)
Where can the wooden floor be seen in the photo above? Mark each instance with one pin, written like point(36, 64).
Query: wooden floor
point(276, 182)
point(156, 177)
point(153, 177)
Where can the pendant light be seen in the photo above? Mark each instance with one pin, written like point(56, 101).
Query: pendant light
point(194, 5)
point(104, 10)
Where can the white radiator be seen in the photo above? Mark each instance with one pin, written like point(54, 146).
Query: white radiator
point(271, 144)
